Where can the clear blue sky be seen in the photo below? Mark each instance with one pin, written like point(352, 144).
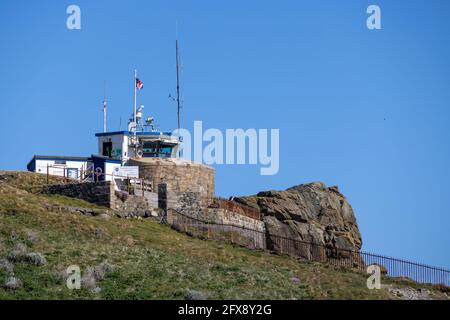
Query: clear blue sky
point(366, 110)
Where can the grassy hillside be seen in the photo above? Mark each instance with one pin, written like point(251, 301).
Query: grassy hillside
point(140, 259)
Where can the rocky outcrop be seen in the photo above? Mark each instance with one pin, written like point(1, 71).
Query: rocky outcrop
point(312, 213)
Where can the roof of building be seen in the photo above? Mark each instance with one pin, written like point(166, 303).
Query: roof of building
point(105, 159)
point(167, 162)
point(70, 158)
point(47, 157)
point(126, 133)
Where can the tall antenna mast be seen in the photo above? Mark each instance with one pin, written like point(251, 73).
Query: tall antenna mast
point(104, 107)
point(178, 82)
point(134, 107)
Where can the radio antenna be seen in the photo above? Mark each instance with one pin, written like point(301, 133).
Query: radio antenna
point(104, 106)
point(178, 82)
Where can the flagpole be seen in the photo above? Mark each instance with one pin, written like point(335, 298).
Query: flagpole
point(134, 112)
point(104, 107)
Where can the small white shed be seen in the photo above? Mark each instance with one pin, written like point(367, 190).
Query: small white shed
point(63, 166)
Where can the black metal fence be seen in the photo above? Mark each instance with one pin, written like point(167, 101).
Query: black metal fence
point(233, 206)
point(346, 259)
point(134, 186)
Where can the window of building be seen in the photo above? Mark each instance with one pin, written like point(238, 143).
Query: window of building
point(156, 150)
point(107, 149)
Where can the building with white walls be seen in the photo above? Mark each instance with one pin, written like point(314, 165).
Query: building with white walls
point(124, 145)
point(65, 166)
point(115, 148)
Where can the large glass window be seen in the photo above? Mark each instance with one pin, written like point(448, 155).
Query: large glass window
point(156, 150)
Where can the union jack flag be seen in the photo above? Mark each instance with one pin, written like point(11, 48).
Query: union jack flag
point(139, 84)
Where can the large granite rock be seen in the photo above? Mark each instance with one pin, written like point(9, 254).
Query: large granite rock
point(310, 213)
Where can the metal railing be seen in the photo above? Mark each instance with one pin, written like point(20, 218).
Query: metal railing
point(307, 251)
point(299, 249)
point(136, 186)
point(230, 205)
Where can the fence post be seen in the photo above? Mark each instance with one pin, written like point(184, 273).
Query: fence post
point(47, 173)
point(142, 186)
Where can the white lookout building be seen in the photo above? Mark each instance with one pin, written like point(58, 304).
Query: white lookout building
point(115, 149)
point(139, 153)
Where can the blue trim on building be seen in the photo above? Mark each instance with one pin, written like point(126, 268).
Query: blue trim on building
point(61, 158)
point(100, 161)
point(31, 166)
point(106, 159)
point(115, 133)
point(127, 133)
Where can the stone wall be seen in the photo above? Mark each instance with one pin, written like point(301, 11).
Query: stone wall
point(152, 199)
point(126, 205)
point(246, 231)
point(214, 223)
point(188, 203)
point(187, 213)
point(223, 216)
point(103, 193)
point(178, 174)
point(95, 192)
